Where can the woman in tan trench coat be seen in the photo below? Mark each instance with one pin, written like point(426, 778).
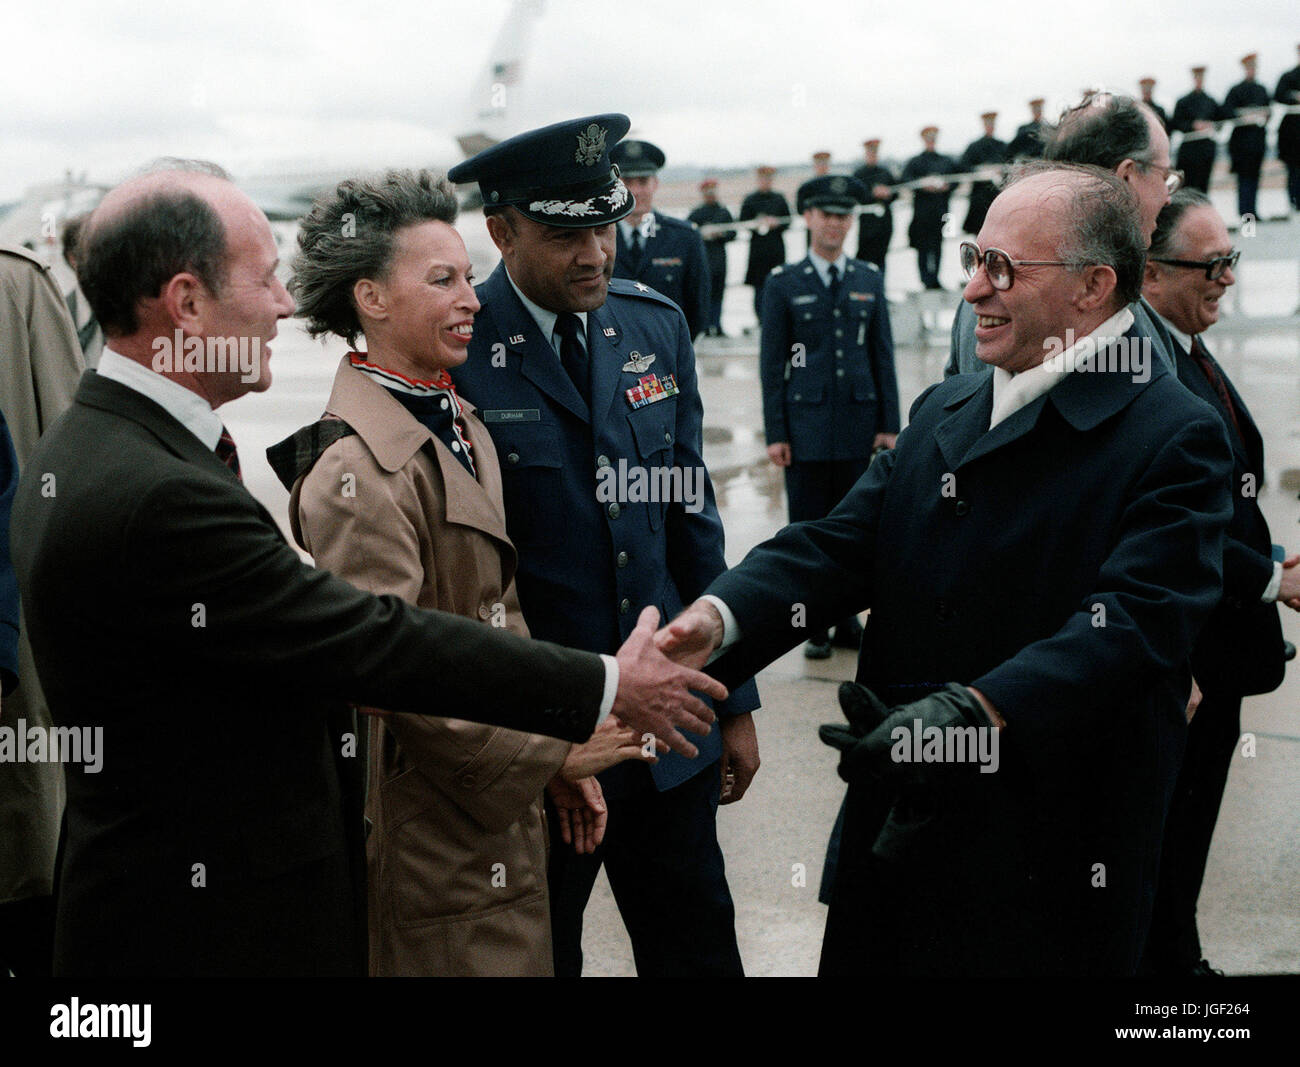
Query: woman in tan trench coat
point(397, 490)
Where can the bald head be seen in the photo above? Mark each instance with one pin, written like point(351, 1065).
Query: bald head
point(1079, 228)
point(149, 229)
point(179, 267)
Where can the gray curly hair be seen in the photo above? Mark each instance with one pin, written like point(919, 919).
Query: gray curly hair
point(351, 233)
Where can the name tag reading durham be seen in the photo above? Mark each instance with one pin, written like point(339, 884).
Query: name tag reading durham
point(651, 389)
point(511, 415)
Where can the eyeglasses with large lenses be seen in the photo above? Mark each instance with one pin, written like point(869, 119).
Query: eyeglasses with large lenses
point(999, 266)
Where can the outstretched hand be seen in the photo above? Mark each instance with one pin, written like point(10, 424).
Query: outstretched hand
point(1289, 592)
point(691, 637)
point(654, 693)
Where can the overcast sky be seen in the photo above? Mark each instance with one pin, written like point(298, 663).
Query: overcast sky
point(258, 86)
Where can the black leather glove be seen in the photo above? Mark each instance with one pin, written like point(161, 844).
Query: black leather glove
point(867, 743)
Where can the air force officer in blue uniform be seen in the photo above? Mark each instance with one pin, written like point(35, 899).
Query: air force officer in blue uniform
point(830, 397)
point(588, 388)
point(665, 253)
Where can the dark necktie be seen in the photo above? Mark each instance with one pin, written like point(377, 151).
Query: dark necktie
point(834, 274)
point(634, 247)
point(572, 354)
point(1202, 357)
point(227, 453)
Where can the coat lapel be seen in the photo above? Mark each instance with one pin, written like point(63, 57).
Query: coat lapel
point(520, 334)
point(108, 395)
point(1083, 398)
point(607, 358)
point(393, 435)
point(1249, 452)
point(972, 407)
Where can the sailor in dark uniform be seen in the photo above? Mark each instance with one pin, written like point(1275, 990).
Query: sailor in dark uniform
point(1194, 117)
point(767, 243)
point(876, 230)
point(1245, 100)
point(712, 213)
point(1288, 132)
point(929, 206)
point(1148, 85)
point(988, 151)
point(1028, 141)
point(830, 396)
point(663, 252)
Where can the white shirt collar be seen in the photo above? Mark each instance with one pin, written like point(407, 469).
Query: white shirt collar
point(183, 405)
point(546, 319)
point(823, 266)
point(1011, 392)
point(646, 226)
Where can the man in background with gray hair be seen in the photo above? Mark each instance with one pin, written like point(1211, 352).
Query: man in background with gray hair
point(1063, 520)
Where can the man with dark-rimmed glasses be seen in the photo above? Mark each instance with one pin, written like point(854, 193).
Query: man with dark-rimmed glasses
point(1240, 652)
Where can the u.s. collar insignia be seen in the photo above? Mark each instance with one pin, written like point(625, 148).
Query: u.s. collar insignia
point(638, 363)
point(591, 145)
point(642, 287)
point(609, 331)
point(517, 339)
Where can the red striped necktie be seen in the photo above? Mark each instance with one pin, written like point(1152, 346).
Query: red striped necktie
point(1202, 357)
point(228, 453)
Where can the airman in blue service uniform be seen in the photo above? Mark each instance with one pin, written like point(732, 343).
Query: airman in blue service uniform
point(830, 397)
point(663, 252)
point(588, 387)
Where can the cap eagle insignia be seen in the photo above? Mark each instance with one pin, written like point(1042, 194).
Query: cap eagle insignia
point(591, 145)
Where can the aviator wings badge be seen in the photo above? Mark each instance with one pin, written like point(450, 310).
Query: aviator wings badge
point(638, 364)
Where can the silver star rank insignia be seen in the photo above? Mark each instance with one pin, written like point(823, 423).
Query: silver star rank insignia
point(642, 287)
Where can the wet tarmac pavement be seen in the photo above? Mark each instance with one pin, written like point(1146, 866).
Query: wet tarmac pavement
point(774, 840)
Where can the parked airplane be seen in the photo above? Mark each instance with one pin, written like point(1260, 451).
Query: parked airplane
point(284, 186)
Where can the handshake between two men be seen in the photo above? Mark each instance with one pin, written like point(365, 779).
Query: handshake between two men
point(869, 743)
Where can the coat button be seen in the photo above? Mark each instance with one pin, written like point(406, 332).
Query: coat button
point(839, 333)
point(614, 510)
point(603, 461)
point(622, 559)
point(512, 457)
point(837, 313)
point(624, 606)
point(962, 508)
point(468, 781)
point(668, 438)
point(839, 373)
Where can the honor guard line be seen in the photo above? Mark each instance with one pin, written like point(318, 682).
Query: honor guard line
point(1252, 116)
